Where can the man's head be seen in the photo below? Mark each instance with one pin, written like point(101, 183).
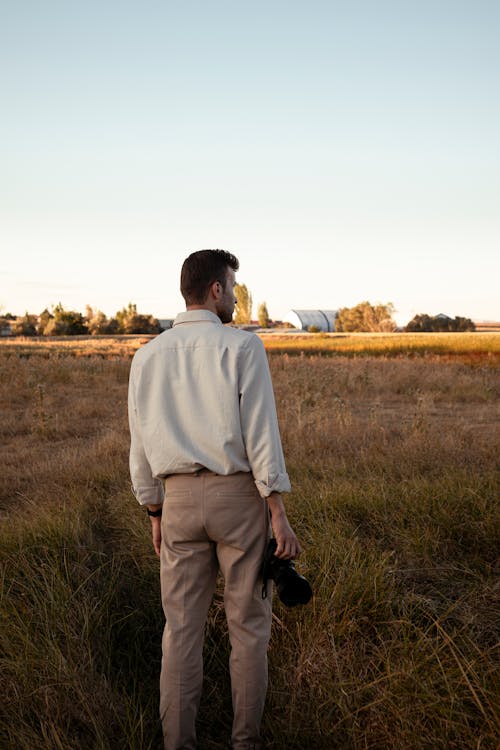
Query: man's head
point(207, 280)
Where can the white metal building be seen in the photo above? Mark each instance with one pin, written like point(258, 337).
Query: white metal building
point(324, 320)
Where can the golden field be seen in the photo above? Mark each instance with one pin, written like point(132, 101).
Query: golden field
point(451, 345)
point(393, 457)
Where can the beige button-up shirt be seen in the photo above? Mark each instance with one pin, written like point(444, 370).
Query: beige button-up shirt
point(200, 395)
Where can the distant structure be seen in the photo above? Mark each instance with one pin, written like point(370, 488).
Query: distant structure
point(323, 320)
point(166, 323)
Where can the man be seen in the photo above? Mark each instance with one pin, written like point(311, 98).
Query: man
point(206, 460)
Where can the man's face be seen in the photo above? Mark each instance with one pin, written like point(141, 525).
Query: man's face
point(225, 305)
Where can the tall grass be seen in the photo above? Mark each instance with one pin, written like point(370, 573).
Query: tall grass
point(394, 466)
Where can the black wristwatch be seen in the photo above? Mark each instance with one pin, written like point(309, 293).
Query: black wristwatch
point(154, 513)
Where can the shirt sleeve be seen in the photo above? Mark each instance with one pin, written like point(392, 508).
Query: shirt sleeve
point(259, 421)
point(147, 489)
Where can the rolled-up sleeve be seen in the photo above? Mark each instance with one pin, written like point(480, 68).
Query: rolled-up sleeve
point(147, 489)
point(259, 422)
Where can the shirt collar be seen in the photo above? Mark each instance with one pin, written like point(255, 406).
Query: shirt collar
point(197, 316)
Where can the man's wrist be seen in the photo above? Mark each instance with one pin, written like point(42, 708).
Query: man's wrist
point(276, 505)
point(154, 511)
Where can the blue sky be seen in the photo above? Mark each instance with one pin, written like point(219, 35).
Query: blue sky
point(343, 151)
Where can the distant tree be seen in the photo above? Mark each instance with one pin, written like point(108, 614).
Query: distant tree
point(98, 323)
point(263, 315)
point(243, 309)
point(25, 326)
point(143, 324)
point(65, 323)
point(130, 321)
point(43, 320)
point(464, 324)
point(419, 324)
point(366, 317)
point(124, 315)
point(423, 323)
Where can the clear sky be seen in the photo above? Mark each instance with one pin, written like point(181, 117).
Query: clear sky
point(342, 150)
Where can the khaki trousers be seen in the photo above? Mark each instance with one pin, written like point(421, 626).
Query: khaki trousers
point(213, 522)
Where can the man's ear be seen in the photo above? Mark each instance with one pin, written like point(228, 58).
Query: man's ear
point(215, 290)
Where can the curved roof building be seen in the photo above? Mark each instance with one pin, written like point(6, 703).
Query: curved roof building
point(324, 320)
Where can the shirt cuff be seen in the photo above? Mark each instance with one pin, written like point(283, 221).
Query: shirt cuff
point(275, 483)
point(151, 495)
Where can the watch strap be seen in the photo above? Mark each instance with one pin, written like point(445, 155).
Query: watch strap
point(154, 513)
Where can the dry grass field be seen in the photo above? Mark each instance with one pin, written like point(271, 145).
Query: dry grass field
point(395, 474)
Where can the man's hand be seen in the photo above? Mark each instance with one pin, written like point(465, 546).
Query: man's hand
point(156, 530)
point(288, 545)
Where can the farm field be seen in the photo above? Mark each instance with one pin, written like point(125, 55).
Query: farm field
point(393, 457)
point(451, 345)
point(465, 345)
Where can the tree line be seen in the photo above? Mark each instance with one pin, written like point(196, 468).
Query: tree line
point(440, 323)
point(61, 322)
point(366, 317)
point(363, 317)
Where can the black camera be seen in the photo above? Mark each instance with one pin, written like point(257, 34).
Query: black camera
point(292, 588)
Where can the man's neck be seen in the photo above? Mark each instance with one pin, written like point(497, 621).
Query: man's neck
point(205, 306)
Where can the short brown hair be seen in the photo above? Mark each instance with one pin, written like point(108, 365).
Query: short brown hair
point(201, 269)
